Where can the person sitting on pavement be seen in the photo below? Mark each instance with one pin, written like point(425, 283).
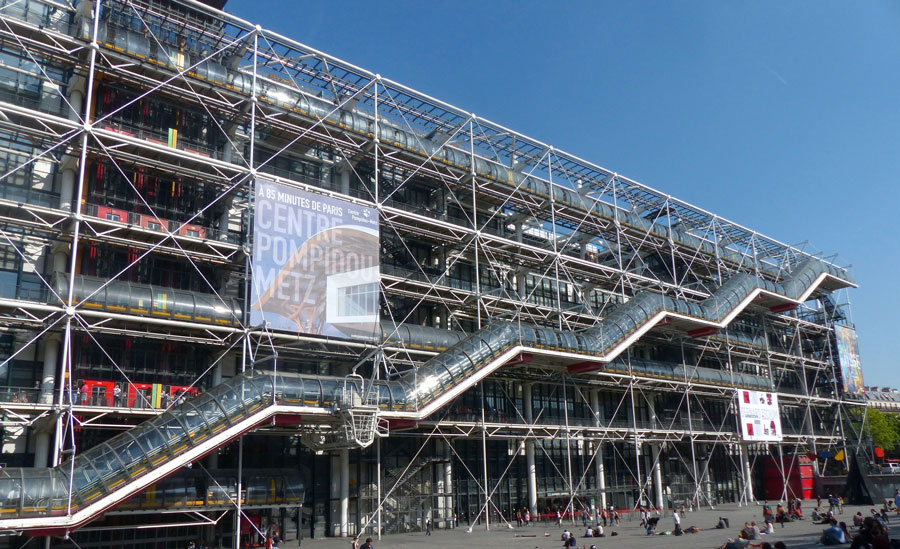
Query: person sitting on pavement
point(733, 543)
point(833, 535)
point(857, 519)
point(770, 528)
point(847, 536)
point(747, 532)
point(871, 534)
point(815, 516)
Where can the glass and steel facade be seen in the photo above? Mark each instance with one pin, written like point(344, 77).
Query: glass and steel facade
point(550, 330)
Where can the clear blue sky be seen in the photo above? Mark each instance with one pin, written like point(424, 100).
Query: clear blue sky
point(784, 117)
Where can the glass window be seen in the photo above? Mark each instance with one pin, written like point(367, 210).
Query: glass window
point(361, 300)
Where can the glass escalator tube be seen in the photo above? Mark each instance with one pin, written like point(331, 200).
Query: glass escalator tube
point(109, 466)
point(86, 481)
point(214, 416)
point(11, 492)
point(37, 485)
point(290, 389)
point(193, 421)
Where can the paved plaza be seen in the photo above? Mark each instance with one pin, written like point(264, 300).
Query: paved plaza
point(800, 534)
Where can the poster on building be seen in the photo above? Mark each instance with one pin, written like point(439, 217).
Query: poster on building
point(315, 267)
point(760, 418)
point(848, 354)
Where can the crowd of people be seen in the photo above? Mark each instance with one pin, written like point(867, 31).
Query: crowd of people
point(870, 532)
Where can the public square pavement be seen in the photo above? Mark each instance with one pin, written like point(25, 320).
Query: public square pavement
point(796, 535)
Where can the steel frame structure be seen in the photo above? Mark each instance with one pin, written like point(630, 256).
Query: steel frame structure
point(461, 247)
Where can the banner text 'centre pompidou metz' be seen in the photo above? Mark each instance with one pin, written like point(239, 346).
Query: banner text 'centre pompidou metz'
point(315, 264)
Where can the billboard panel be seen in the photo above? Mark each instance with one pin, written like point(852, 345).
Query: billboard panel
point(848, 354)
point(315, 264)
point(760, 420)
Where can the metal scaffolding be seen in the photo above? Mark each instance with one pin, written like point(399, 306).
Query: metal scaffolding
point(133, 133)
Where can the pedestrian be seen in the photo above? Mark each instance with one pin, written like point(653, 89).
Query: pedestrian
point(676, 519)
point(85, 393)
point(780, 516)
point(558, 519)
point(428, 526)
point(117, 394)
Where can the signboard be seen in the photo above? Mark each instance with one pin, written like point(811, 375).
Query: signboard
point(315, 264)
point(848, 354)
point(760, 420)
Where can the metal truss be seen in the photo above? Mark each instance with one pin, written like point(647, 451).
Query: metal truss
point(478, 222)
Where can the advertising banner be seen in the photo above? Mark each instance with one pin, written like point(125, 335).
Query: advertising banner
point(848, 354)
point(760, 420)
point(315, 264)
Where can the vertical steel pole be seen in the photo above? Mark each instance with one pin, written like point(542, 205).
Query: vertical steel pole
point(807, 416)
point(556, 255)
point(475, 221)
point(379, 356)
point(687, 389)
point(568, 450)
point(66, 370)
point(377, 140)
point(634, 432)
point(378, 485)
point(245, 313)
point(487, 497)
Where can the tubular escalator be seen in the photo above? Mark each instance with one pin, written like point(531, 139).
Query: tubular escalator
point(446, 375)
point(131, 461)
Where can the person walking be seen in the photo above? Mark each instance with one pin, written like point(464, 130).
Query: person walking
point(428, 526)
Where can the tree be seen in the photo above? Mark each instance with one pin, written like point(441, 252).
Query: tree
point(884, 429)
